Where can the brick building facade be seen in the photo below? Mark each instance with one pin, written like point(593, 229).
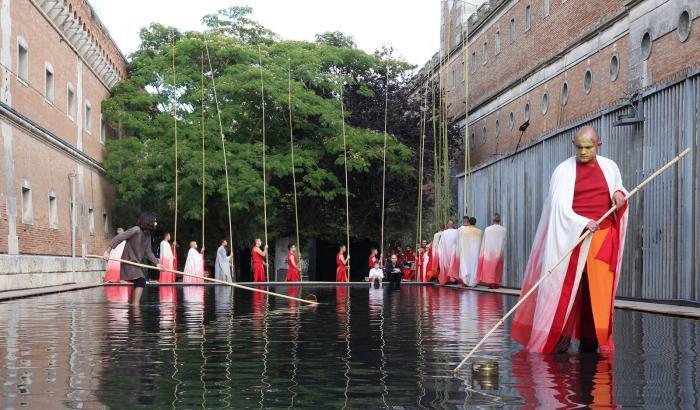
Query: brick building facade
point(58, 63)
point(553, 62)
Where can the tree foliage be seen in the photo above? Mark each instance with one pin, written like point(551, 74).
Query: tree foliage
point(141, 163)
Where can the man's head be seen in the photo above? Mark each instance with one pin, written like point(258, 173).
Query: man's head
point(342, 248)
point(373, 251)
point(423, 242)
point(465, 220)
point(193, 245)
point(223, 243)
point(409, 249)
point(258, 242)
point(166, 237)
point(496, 218)
point(399, 248)
point(450, 224)
point(376, 265)
point(148, 221)
point(472, 221)
point(586, 144)
point(292, 247)
point(394, 258)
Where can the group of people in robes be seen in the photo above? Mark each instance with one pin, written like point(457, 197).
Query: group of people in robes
point(464, 255)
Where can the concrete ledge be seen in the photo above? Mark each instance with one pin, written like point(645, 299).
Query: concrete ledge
point(24, 293)
point(37, 271)
point(658, 308)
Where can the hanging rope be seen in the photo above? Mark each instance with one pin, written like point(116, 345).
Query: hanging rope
point(174, 113)
point(264, 170)
point(466, 194)
point(203, 156)
point(294, 179)
point(386, 108)
point(421, 159)
point(223, 149)
point(345, 156)
point(436, 187)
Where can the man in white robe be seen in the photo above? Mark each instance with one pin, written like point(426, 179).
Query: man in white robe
point(448, 251)
point(469, 245)
point(492, 254)
point(222, 268)
point(167, 260)
point(194, 264)
point(576, 299)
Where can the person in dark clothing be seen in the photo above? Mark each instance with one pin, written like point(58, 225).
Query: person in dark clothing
point(138, 245)
point(392, 270)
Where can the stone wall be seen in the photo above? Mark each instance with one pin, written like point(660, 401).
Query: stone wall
point(33, 271)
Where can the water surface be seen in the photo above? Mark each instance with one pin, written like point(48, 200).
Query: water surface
point(213, 347)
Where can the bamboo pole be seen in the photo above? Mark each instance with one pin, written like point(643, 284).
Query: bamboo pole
point(585, 235)
point(221, 282)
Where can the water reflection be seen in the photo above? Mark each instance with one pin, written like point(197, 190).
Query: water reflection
point(211, 347)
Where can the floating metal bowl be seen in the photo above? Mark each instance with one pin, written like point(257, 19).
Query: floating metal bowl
point(485, 374)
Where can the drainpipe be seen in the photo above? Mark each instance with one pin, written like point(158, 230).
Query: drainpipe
point(73, 227)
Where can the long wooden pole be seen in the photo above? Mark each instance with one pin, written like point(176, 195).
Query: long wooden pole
point(264, 167)
point(233, 284)
point(578, 242)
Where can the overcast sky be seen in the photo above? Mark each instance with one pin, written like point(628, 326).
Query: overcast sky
point(411, 27)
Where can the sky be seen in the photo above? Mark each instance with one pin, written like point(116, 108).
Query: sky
point(411, 27)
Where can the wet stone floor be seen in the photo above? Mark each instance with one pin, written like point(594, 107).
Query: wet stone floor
point(214, 347)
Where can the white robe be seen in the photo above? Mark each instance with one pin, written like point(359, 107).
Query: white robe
point(222, 268)
point(492, 253)
point(469, 246)
point(448, 249)
point(166, 254)
point(194, 266)
point(558, 230)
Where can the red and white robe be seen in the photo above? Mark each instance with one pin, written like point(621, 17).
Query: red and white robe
point(469, 246)
point(167, 260)
point(194, 265)
point(491, 255)
point(112, 274)
point(448, 249)
point(554, 313)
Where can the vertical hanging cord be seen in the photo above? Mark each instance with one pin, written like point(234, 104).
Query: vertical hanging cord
point(466, 194)
point(445, 123)
point(294, 179)
point(174, 111)
point(203, 156)
point(264, 170)
point(386, 109)
point(345, 156)
point(436, 197)
point(223, 149)
point(421, 159)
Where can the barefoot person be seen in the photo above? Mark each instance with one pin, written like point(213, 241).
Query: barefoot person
point(259, 263)
point(376, 274)
point(166, 259)
point(492, 253)
point(293, 262)
point(222, 266)
point(576, 300)
point(341, 271)
point(194, 264)
point(138, 245)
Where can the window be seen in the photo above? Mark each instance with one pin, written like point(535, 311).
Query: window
point(472, 62)
point(105, 223)
point(545, 8)
point(511, 34)
point(88, 117)
point(497, 43)
point(53, 210)
point(684, 26)
point(614, 67)
point(458, 30)
point(103, 130)
point(70, 107)
point(48, 82)
point(528, 17)
point(511, 121)
point(497, 130)
point(484, 135)
point(646, 46)
point(564, 93)
point(27, 209)
point(526, 115)
point(22, 59)
point(473, 139)
point(545, 103)
point(453, 78)
point(463, 74)
point(91, 219)
point(588, 81)
point(486, 53)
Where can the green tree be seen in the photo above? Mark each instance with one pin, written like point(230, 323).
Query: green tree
point(141, 163)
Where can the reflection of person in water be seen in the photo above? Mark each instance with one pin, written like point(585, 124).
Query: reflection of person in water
point(564, 381)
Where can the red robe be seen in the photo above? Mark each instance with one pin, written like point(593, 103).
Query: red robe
point(292, 272)
point(410, 273)
point(341, 272)
point(419, 267)
point(372, 261)
point(258, 267)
